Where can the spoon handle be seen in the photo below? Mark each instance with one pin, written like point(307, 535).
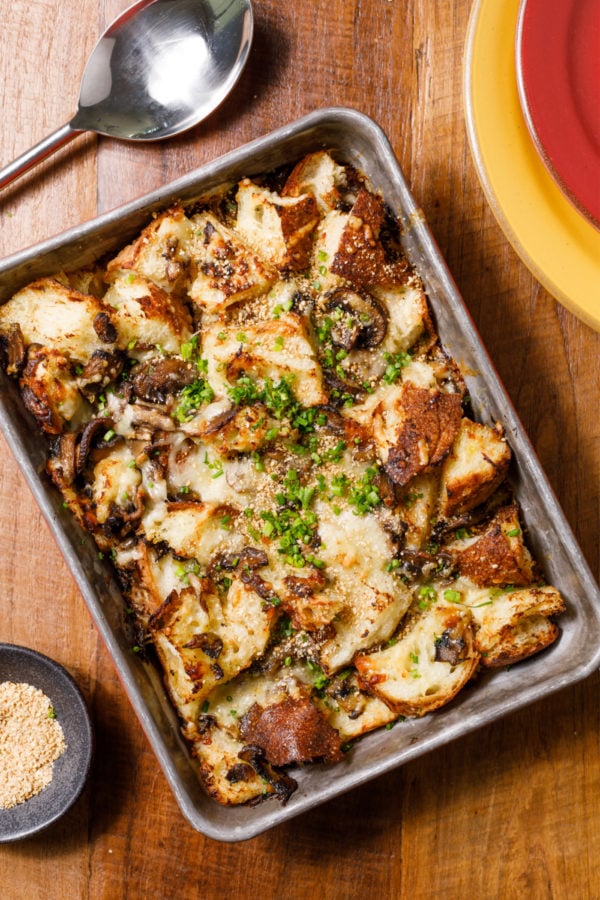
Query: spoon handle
point(37, 154)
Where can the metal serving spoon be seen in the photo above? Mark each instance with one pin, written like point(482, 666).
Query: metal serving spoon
point(160, 68)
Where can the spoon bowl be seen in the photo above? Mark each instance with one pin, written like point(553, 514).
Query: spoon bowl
point(159, 69)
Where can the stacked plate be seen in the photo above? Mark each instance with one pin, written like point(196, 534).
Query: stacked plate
point(532, 101)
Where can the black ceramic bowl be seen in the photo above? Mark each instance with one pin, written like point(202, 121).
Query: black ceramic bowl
point(20, 664)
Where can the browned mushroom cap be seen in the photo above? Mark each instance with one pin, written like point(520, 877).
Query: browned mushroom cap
point(94, 431)
point(63, 454)
point(13, 353)
point(263, 588)
point(208, 642)
point(419, 564)
point(283, 785)
point(104, 328)
point(359, 322)
point(250, 558)
point(158, 379)
point(451, 647)
point(102, 368)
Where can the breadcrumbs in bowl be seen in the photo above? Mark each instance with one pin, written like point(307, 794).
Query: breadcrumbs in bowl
point(45, 742)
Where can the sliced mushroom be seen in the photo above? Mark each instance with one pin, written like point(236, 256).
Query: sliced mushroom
point(305, 587)
point(63, 455)
point(220, 420)
point(146, 419)
point(339, 388)
point(90, 437)
point(104, 328)
point(250, 558)
point(451, 647)
point(359, 322)
point(253, 558)
point(208, 642)
point(332, 421)
point(283, 785)
point(13, 353)
point(157, 380)
point(102, 368)
point(240, 772)
point(417, 564)
point(260, 586)
point(123, 520)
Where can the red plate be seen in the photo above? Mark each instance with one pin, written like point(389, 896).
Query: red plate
point(558, 72)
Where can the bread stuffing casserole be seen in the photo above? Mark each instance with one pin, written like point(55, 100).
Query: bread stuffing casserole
point(250, 410)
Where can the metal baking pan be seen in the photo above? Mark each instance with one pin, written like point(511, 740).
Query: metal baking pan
point(353, 138)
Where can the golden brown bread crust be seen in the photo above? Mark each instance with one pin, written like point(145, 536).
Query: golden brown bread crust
point(159, 253)
point(429, 422)
point(427, 665)
point(514, 623)
point(360, 257)
point(278, 228)
point(499, 555)
point(474, 469)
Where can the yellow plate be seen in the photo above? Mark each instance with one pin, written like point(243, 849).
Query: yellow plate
point(552, 238)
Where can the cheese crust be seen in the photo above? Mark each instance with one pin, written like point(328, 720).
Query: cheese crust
point(253, 415)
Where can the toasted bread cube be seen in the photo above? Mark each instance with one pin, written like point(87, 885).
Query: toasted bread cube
point(159, 254)
point(476, 466)
point(278, 228)
point(326, 241)
point(224, 269)
point(350, 246)
point(243, 430)
point(56, 316)
point(203, 640)
point(146, 316)
point(499, 555)
point(85, 281)
point(193, 530)
point(359, 256)
point(415, 428)
point(372, 601)
point(417, 506)
point(116, 482)
point(530, 636)
point(409, 319)
point(269, 349)
point(291, 731)
point(225, 775)
point(514, 624)
point(309, 602)
point(433, 658)
point(317, 174)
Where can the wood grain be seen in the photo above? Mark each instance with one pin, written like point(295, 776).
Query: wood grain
point(511, 811)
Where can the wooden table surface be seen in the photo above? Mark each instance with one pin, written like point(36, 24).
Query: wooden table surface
point(511, 811)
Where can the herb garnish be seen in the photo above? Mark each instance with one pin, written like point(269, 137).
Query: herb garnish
point(192, 397)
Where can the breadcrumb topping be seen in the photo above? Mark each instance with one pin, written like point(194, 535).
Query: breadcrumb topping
point(31, 740)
